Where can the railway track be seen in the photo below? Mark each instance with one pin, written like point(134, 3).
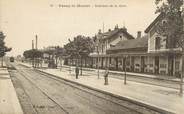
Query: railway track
point(49, 97)
point(74, 98)
point(43, 75)
point(27, 90)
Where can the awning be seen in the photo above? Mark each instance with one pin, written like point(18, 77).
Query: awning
point(135, 54)
point(119, 55)
point(100, 55)
point(165, 52)
point(66, 56)
point(127, 54)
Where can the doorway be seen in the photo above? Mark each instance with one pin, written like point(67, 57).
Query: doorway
point(170, 65)
point(156, 64)
point(142, 64)
point(124, 63)
point(132, 63)
point(116, 60)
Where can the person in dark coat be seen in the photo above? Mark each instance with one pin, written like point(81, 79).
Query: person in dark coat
point(106, 76)
point(77, 72)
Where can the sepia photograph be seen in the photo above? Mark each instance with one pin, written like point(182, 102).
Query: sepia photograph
point(91, 56)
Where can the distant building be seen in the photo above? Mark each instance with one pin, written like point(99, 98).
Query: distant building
point(104, 41)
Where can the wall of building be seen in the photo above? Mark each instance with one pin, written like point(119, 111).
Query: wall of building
point(120, 63)
point(152, 40)
point(137, 63)
point(177, 65)
point(104, 62)
point(117, 38)
point(151, 62)
point(113, 63)
point(94, 62)
point(146, 69)
point(163, 65)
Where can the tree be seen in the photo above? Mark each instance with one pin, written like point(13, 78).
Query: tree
point(173, 26)
point(79, 48)
point(50, 52)
point(58, 53)
point(3, 48)
point(33, 54)
point(54, 53)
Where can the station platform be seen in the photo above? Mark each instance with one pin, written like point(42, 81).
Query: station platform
point(162, 77)
point(9, 103)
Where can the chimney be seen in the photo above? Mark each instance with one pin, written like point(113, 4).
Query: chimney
point(36, 42)
point(32, 44)
point(116, 27)
point(139, 34)
point(100, 31)
point(124, 28)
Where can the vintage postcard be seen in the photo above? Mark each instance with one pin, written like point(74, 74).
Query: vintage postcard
point(91, 56)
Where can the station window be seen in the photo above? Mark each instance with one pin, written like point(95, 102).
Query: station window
point(177, 65)
point(150, 65)
point(163, 65)
point(157, 43)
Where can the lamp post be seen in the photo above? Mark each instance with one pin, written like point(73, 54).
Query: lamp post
point(182, 57)
point(36, 47)
point(181, 75)
point(125, 72)
point(70, 66)
point(32, 49)
point(98, 65)
point(98, 59)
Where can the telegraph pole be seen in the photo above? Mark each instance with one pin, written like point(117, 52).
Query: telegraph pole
point(36, 47)
point(98, 61)
point(36, 42)
point(32, 49)
point(182, 59)
point(125, 71)
point(32, 44)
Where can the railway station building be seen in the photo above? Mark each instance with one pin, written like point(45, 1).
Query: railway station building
point(103, 42)
point(152, 53)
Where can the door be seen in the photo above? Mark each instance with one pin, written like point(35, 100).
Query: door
point(142, 63)
point(116, 59)
point(124, 63)
point(156, 64)
point(170, 65)
point(102, 62)
point(132, 63)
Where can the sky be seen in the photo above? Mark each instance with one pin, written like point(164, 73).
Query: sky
point(21, 20)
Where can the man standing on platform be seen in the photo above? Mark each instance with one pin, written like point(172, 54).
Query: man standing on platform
point(77, 72)
point(106, 76)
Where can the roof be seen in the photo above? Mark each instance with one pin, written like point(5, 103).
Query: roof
point(110, 34)
point(131, 44)
point(159, 17)
point(122, 54)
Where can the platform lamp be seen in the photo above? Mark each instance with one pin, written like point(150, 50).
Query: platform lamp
point(98, 59)
point(125, 77)
point(182, 61)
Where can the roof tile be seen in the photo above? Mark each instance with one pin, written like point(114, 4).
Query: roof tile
point(131, 44)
